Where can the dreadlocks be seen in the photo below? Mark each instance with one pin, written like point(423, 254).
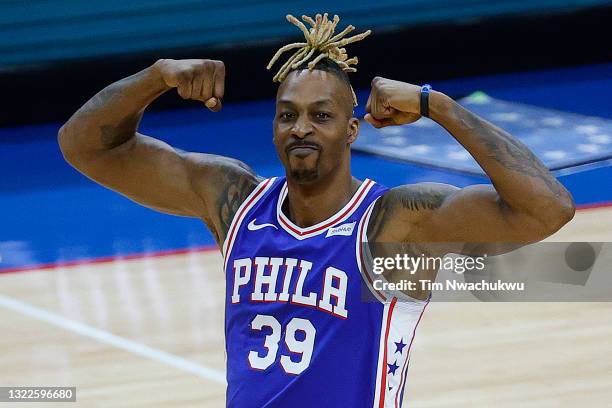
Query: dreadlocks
point(319, 38)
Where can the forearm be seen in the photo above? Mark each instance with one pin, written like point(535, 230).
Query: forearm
point(111, 117)
point(519, 177)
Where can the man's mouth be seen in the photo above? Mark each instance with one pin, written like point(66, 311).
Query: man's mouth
point(302, 150)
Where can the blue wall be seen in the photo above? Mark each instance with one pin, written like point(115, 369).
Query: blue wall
point(35, 31)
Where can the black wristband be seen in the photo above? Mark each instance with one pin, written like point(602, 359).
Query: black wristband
point(425, 100)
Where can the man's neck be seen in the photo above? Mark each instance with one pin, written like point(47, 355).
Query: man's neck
point(308, 205)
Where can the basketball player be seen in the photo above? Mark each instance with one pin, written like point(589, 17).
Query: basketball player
point(298, 332)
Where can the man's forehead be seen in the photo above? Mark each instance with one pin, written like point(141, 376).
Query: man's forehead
point(317, 101)
point(309, 87)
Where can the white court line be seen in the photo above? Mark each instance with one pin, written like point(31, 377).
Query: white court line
point(108, 338)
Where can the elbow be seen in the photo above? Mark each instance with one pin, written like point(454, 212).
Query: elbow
point(62, 136)
point(546, 217)
point(557, 214)
point(566, 207)
point(63, 140)
point(567, 211)
point(562, 216)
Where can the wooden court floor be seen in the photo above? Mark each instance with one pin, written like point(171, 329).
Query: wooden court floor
point(149, 333)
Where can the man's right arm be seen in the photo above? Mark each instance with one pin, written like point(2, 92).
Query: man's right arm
point(101, 141)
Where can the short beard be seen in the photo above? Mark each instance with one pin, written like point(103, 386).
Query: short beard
point(305, 176)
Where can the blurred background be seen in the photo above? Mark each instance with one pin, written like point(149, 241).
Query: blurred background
point(541, 69)
point(55, 55)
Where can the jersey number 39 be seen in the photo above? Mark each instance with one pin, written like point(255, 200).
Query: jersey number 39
point(303, 347)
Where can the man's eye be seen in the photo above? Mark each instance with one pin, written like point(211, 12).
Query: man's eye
point(322, 116)
point(286, 115)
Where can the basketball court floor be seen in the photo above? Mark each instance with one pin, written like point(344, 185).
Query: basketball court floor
point(149, 333)
point(92, 296)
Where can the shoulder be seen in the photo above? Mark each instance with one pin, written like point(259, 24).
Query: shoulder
point(223, 183)
point(399, 210)
point(419, 196)
point(415, 198)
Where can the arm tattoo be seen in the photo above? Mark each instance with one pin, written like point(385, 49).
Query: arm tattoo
point(379, 219)
point(515, 156)
point(102, 98)
point(506, 150)
point(420, 198)
point(108, 104)
point(414, 198)
point(236, 181)
point(236, 188)
point(116, 134)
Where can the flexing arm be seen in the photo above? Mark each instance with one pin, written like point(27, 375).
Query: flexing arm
point(525, 204)
point(101, 141)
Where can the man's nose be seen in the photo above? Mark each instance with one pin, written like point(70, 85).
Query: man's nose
point(301, 128)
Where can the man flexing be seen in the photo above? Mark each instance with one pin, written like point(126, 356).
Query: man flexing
point(314, 128)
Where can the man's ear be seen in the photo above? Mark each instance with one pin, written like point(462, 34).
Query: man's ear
point(353, 130)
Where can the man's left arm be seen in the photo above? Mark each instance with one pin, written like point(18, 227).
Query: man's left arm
point(526, 202)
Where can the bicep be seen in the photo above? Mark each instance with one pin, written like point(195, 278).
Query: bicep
point(473, 219)
point(149, 172)
point(152, 173)
point(477, 217)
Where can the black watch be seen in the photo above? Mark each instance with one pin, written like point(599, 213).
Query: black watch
point(425, 100)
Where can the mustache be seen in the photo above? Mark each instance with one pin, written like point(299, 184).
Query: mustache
point(302, 143)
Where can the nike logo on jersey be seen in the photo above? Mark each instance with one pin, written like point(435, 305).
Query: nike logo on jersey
point(344, 229)
point(254, 227)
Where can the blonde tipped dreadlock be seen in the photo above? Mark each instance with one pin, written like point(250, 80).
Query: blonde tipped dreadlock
point(319, 38)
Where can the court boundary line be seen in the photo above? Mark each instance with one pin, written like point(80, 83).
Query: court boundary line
point(113, 340)
point(602, 204)
point(109, 259)
point(180, 251)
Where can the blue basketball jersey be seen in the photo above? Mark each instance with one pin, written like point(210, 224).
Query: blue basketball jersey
point(299, 330)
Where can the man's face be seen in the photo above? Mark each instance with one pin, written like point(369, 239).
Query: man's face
point(313, 125)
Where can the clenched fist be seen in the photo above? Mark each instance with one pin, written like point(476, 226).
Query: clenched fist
point(197, 79)
point(392, 103)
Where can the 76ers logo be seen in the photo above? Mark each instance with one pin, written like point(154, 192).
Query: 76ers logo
point(289, 275)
